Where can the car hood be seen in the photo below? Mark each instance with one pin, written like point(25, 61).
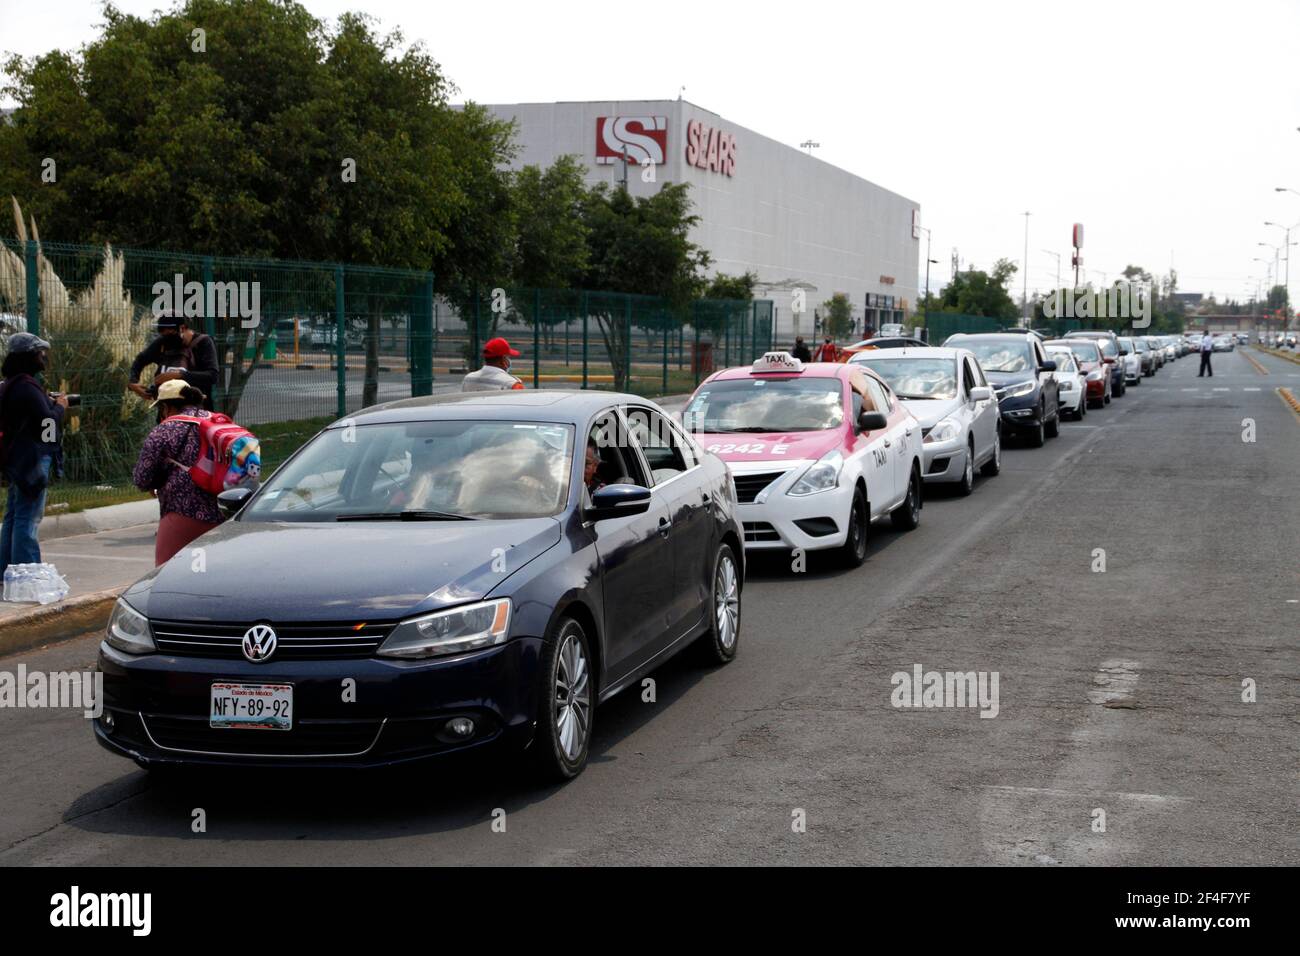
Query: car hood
point(308, 571)
point(739, 449)
point(1003, 379)
point(929, 411)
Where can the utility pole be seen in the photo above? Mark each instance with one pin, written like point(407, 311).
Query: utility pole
point(1024, 321)
point(1057, 292)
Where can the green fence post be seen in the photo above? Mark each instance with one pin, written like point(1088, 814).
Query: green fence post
point(695, 357)
point(419, 342)
point(33, 293)
point(210, 327)
point(340, 343)
point(664, 387)
point(585, 310)
point(627, 344)
point(475, 350)
point(537, 336)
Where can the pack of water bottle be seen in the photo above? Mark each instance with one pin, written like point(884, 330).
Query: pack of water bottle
point(41, 583)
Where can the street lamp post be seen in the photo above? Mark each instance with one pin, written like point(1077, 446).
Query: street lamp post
point(1024, 304)
point(1057, 291)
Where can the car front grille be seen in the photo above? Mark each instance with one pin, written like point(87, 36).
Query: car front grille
point(308, 738)
point(748, 487)
point(294, 642)
point(756, 531)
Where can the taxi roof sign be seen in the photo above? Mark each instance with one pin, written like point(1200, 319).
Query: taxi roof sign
point(778, 362)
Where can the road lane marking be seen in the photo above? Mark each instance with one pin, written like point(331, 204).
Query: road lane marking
point(1222, 390)
point(1251, 390)
point(1286, 396)
point(1259, 369)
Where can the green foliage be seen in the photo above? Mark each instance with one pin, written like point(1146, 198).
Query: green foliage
point(723, 286)
point(552, 241)
point(837, 316)
point(981, 293)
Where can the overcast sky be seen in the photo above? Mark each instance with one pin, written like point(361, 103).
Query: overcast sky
point(1163, 127)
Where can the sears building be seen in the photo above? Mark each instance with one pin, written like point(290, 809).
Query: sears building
point(799, 223)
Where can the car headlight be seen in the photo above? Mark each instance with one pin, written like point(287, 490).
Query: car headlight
point(1020, 388)
point(1067, 384)
point(128, 630)
point(822, 475)
point(946, 430)
point(1094, 375)
point(455, 631)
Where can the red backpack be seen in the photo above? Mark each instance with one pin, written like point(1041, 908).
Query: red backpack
point(229, 454)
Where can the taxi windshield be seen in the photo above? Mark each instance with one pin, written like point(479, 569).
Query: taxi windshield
point(763, 404)
point(426, 471)
point(916, 377)
point(1002, 356)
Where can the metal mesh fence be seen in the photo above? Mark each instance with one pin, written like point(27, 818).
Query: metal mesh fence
point(302, 343)
point(940, 325)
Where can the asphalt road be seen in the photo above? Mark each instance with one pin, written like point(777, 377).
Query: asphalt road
point(1120, 691)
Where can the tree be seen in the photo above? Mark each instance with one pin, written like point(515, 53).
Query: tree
point(980, 293)
point(640, 246)
point(837, 316)
point(723, 286)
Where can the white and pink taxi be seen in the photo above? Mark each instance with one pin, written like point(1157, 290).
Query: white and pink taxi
point(818, 451)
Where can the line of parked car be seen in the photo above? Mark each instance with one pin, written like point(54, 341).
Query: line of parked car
point(480, 570)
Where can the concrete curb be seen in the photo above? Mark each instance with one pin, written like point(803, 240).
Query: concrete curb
point(109, 518)
point(57, 622)
point(1282, 355)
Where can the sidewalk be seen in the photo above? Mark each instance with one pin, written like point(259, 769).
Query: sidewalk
point(100, 552)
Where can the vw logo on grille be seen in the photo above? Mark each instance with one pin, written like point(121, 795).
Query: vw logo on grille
point(259, 643)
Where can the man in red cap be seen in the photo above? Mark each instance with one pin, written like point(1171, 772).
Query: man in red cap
point(495, 373)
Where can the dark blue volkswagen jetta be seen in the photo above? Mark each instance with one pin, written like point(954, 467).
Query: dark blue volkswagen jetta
point(428, 576)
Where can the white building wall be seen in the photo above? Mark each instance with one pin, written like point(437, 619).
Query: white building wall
point(784, 215)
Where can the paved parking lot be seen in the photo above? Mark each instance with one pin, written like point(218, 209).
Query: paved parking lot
point(1120, 691)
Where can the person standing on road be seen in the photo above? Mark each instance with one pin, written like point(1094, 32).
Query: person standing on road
point(495, 373)
point(185, 510)
point(179, 353)
point(1207, 349)
point(800, 350)
point(826, 352)
point(30, 422)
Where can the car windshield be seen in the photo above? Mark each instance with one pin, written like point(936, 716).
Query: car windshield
point(1085, 350)
point(1001, 356)
point(439, 470)
point(916, 377)
point(1063, 358)
point(762, 404)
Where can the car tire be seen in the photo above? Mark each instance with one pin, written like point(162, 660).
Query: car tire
point(1083, 409)
point(718, 644)
point(854, 550)
point(563, 738)
point(1053, 428)
point(967, 483)
point(908, 515)
point(994, 464)
point(1037, 437)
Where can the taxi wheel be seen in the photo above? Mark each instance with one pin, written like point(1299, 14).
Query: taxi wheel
point(968, 475)
point(908, 515)
point(566, 705)
point(854, 550)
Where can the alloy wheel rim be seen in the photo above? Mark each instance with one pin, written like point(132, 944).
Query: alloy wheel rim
point(726, 602)
point(572, 698)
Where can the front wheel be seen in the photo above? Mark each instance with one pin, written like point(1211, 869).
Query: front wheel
point(1053, 428)
point(566, 705)
point(854, 550)
point(718, 644)
point(1036, 437)
point(908, 515)
point(968, 473)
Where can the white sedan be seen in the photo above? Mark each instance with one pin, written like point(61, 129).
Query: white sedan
point(946, 390)
point(1070, 380)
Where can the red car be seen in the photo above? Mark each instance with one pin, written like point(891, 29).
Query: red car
point(1094, 366)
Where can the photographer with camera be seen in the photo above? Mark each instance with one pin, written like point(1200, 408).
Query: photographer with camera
point(30, 453)
point(179, 353)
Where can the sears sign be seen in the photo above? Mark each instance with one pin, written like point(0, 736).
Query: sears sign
point(645, 139)
point(710, 148)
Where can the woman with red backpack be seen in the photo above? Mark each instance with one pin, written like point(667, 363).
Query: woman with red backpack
point(186, 510)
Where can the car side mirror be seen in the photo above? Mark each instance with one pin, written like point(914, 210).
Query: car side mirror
point(615, 501)
point(230, 501)
point(981, 393)
point(1048, 366)
point(871, 421)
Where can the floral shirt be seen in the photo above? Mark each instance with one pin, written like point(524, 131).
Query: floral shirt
point(178, 441)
